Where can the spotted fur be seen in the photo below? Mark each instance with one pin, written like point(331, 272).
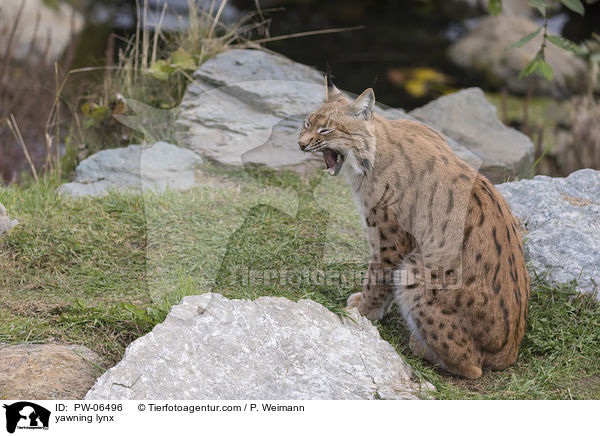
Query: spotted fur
point(444, 244)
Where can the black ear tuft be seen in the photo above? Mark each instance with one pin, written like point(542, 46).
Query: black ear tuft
point(331, 91)
point(328, 81)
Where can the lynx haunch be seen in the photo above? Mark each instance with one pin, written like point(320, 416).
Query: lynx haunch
point(444, 244)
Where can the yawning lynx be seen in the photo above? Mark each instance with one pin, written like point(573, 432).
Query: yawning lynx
point(444, 244)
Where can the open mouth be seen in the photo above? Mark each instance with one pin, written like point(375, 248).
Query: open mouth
point(333, 160)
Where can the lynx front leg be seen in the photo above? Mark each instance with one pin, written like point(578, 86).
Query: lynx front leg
point(377, 295)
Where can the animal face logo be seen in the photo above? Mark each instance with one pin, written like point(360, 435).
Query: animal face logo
point(24, 414)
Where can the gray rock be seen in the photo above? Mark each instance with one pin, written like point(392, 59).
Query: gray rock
point(47, 371)
point(48, 38)
point(210, 347)
point(134, 168)
point(562, 216)
point(252, 103)
point(484, 49)
point(470, 119)
point(6, 224)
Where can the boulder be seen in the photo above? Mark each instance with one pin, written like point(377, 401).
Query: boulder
point(562, 218)
point(484, 50)
point(135, 168)
point(42, 30)
point(6, 224)
point(470, 119)
point(47, 371)
point(250, 101)
point(213, 348)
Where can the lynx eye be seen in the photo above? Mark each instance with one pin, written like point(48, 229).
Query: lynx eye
point(306, 123)
point(324, 131)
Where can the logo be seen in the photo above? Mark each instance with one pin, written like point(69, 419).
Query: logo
point(26, 415)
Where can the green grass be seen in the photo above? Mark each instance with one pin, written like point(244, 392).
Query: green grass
point(102, 272)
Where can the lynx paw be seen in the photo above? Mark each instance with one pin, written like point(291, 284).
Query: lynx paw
point(353, 300)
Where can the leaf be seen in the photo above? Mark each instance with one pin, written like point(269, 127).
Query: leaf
point(563, 43)
point(183, 59)
point(99, 113)
point(86, 109)
point(530, 68)
point(574, 5)
point(545, 69)
point(521, 42)
point(595, 58)
point(161, 70)
point(540, 5)
point(495, 6)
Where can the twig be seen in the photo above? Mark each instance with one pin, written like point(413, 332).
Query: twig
point(216, 20)
point(145, 38)
point(137, 39)
point(48, 163)
point(14, 128)
point(262, 17)
point(157, 33)
point(504, 106)
point(309, 33)
point(57, 122)
point(528, 96)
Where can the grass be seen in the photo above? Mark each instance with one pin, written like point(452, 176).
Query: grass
point(559, 357)
point(102, 272)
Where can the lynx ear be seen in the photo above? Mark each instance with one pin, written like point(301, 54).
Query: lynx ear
point(364, 104)
point(330, 90)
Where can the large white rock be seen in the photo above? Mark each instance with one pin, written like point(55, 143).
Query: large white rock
point(6, 224)
point(135, 168)
point(42, 30)
point(562, 216)
point(470, 119)
point(210, 347)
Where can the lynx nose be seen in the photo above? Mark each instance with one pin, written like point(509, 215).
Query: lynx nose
point(302, 145)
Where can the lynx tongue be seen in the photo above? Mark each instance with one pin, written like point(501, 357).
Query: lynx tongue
point(331, 160)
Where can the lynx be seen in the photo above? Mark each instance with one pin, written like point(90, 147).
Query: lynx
point(443, 242)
